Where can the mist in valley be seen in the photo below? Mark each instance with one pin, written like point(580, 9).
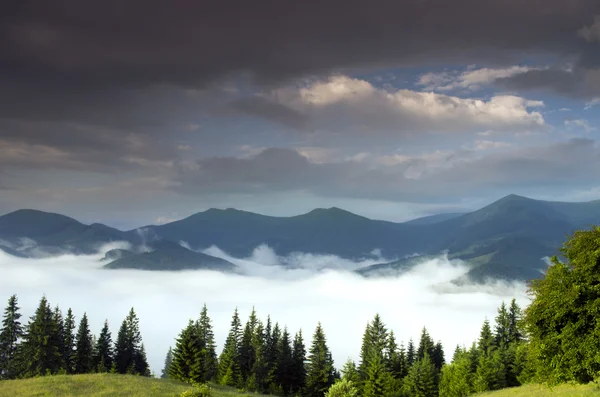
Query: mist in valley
point(297, 291)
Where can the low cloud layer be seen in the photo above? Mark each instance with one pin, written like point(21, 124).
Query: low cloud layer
point(298, 298)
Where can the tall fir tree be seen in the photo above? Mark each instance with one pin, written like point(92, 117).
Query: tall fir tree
point(59, 335)
point(69, 342)
point(184, 354)
point(104, 353)
point(379, 379)
point(40, 354)
point(285, 363)
point(83, 352)
point(426, 345)
point(350, 372)
point(258, 378)
point(141, 362)
point(229, 361)
point(411, 354)
point(10, 336)
point(128, 345)
point(320, 370)
point(421, 380)
point(272, 358)
point(437, 356)
point(247, 351)
point(209, 353)
point(515, 333)
point(502, 327)
point(486, 338)
point(298, 364)
point(457, 378)
point(168, 361)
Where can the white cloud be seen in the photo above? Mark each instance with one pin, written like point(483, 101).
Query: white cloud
point(164, 301)
point(579, 123)
point(591, 33)
point(592, 103)
point(344, 103)
point(472, 79)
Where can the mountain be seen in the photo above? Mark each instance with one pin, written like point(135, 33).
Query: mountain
point(56, 233)
point(506, 239)
point(437, 218)
point(167, 255)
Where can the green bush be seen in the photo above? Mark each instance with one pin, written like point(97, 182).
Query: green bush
point(201, 390)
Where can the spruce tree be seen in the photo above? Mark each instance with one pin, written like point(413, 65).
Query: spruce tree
point(272, 358)
point(83, 352)
point(10, 336)
point(486, 338)
point(229, 362)
point(411, 355)
point(437, 356)
point(350, 372)
point(104, 355)
point(421, 380)
point(247, 352)
point(426, 345)
point(258, 378)
point(457, 378)
point(40, 353)
point(379, 380)
point(69, 342)
point(168, 361)
point(209, 353)
point(320, 370)
point(285, 363)
point(184, 354)
point(58, 335)
point(502, 329)
point(298, 364)
point(128, 345)
point(141, 365)
point(515, 333)
point(375, 342)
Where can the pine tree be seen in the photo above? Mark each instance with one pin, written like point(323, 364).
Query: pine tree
point(437, 356)
point(128, 345)
point(515, 334)
point(209, 353)
point(40, 353)
point(83, 352)
point(141, 365)
point(502, 329)
point(184, 354)
point(168, 361)
point(486, 338)
point(229, 362)
point(350, 372)
point(69, 342)
point(411, 355)
point(58, 335)
point(421, 380)
point(298, 364)
point(285, 363)
point(10, 336)
point(342, 388)
point(272, 358)
point(456, 378)
point(247, 352)
point(375, 342)
point(426, 345)
point(320, 371)
point(379, 380)
point(258, 378)
point(104, 355)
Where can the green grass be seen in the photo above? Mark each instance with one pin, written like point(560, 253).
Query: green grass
point(102, 385)
point(543, 391)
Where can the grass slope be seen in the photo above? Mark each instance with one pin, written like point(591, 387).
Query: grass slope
point(102, 385)
point(543, 391)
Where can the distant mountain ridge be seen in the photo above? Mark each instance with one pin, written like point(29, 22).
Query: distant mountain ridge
point(506, 239)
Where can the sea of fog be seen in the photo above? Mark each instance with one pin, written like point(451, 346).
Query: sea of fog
point(297, 291)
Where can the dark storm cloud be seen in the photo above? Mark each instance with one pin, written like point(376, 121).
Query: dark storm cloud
point(453, 174)
point(264, 108)
point(190, 43)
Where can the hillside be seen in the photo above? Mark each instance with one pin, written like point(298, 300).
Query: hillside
point(564, 390)
point(96, 385)
point(167, 255)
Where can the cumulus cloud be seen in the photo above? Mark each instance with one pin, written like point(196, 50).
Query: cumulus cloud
point(591, 33)
point(298, 298)
point(345, 103)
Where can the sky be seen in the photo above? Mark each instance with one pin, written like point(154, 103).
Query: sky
point(318, 289)
point(148, 111)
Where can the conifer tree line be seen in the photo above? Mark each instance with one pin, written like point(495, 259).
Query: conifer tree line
point(50, 343)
